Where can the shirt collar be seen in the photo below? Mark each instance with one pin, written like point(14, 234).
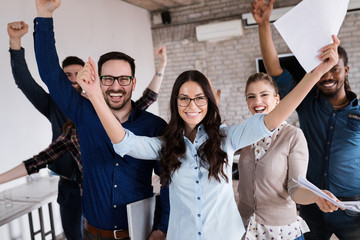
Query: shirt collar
point(134, 113)
point(200, 133)
point(354, 101)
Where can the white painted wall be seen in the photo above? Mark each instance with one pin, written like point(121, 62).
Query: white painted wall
point(82, 28)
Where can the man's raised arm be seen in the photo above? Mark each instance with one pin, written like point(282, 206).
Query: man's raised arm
point(261, 12)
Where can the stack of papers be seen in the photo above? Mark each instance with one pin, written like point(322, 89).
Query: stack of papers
point(351, 205)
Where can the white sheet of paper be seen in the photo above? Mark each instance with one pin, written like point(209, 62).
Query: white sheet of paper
point(308, 27)
point(140, 216)
point(353, 205)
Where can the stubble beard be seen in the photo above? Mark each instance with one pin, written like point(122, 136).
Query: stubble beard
point(332, 94)
point(116, 108)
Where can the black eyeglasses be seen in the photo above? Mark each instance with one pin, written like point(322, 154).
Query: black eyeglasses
point(185, 101)
point(123, 80)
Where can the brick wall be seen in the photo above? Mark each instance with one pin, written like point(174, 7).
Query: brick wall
point(228, 63)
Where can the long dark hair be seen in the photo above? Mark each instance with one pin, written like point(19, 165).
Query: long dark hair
point(174, 147)
point(343, 55)
point(68, 124)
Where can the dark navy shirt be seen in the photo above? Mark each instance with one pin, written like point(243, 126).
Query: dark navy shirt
point(42, 101)
point(333, 138)
point(109, 181)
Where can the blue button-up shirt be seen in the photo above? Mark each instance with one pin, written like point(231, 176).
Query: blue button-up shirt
point(201, 208)
point(333, 138)
point(109, 181)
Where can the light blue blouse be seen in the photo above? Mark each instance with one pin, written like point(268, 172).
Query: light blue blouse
point(200, 208)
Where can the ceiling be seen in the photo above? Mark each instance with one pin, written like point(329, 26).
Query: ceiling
point(157, 5)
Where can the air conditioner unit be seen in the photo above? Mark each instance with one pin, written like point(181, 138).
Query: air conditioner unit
point(276, 13)
point(219, 30)
point(354, 5)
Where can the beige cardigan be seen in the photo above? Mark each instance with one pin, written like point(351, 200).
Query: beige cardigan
point(265, 186)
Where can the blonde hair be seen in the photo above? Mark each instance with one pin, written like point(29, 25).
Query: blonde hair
point(261, 77)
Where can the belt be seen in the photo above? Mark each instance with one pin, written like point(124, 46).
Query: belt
point(354, 198)
point(117, 234)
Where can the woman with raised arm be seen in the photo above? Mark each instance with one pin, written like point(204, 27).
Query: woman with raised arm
point(267, 192)
point(196, 150)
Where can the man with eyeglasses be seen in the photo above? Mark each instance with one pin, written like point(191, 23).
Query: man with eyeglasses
point(109, 181)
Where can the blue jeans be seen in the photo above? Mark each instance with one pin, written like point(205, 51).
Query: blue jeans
point(344, 224)
point(69, 200)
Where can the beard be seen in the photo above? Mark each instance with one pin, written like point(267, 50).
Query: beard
point(332, 94)
point(117, 106)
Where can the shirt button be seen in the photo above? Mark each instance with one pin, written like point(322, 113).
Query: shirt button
point(326, 158)
point(195, 167)
point(197, 181)
point(195, 155)
point(325, 174)
point(331, 127)
point(196, 141)
point(117, 164)
point(334, 114)
point(115, 226)
point(199, 215)
point(115, 186)
point(328, 143)
point(198, 198)
point(114, 206)
point(199, 233)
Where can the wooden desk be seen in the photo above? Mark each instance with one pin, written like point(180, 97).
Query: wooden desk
point(28, 197)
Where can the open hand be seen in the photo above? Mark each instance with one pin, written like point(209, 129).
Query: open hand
point(88, 79)
point(329, 55)
point(217, 94)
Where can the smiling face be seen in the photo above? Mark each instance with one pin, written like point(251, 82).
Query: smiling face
point(117, 96)
point(261, 97)
point(332, 82)
point(71, 72)
point(192, 114)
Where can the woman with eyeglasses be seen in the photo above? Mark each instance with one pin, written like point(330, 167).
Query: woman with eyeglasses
point(196, 150)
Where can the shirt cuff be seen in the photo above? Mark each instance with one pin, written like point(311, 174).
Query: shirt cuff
point(284, 77)
point(264, 128)
point(43, 24)
point(18, 53)
point(150, 94)
point(30, 165)
point(123, 147)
